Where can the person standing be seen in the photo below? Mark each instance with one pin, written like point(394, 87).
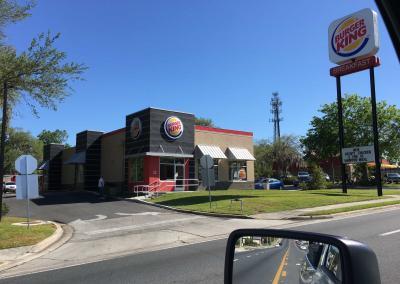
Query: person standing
point(101, 186)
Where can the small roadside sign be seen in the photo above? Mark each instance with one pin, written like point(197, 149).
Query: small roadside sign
point(208, 177)
point(27, 187)
point(206, 162)
point(354, 155)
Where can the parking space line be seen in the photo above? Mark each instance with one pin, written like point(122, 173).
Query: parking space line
point(389, 233)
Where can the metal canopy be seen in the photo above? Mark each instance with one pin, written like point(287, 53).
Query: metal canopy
point(77, 158)
point(214, 151)
point(240, 154)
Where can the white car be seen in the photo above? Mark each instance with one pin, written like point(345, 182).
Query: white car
point(10, 187)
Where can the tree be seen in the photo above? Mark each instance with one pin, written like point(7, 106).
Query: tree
point(286, 152)
point(38, 75)
point(20, 142)
point(57, 136)
point(204, 121)
point(11, 11)
point(277, 157)
point(322, 140)
point(263, 163)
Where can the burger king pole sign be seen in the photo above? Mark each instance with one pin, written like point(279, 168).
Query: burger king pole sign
point(354, 36)
point(353, 42)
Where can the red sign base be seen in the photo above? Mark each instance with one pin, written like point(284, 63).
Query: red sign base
point(352, 67)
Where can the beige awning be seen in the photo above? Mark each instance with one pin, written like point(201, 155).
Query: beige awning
point(240, 154)
point(214, 151)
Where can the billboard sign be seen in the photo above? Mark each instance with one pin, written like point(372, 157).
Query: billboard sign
point(362, 154)
point(353, 36)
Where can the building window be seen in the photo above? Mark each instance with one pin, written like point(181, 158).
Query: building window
point(167, 167)
point(238, 170)
point(216, 169)
point(136, 170)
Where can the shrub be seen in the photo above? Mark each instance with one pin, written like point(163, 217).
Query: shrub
point(317, 178)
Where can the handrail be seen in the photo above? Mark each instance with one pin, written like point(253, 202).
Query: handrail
point(158, 184)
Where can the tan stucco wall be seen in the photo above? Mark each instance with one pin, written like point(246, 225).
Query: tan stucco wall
point(68, 171)
point(225, 140)
point(112, 157)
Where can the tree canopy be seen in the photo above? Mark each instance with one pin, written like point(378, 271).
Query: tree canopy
point(11, 11)
point(204, 121)
point(20, 142)
point(57, 136)
point(322, 140)
point(276, 158)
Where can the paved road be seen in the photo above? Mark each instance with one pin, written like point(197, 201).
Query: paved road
point(204, 262)
point(65, 207)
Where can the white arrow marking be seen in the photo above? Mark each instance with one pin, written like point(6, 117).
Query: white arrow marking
point(139, 214)
point(99, 217)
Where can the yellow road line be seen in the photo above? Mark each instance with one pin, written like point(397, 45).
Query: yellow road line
point(280, 268)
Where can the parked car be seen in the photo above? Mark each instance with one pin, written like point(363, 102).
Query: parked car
point(9, 187)
point(392, 177)
point(273, 183)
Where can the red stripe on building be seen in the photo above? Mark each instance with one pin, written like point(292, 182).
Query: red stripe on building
point(221, 130)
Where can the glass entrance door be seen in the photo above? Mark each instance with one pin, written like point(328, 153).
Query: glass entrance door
point(179, 176)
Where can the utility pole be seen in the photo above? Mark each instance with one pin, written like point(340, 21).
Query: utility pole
point(276, 110)
point(2, 143)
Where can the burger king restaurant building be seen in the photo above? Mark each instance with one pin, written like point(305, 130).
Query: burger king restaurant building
point(156, 150)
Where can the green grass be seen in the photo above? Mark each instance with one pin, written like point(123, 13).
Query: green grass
point(263, 201)
point(352, 208)
point(16, 236)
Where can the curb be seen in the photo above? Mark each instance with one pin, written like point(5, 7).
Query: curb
point(354, 211)
point(320, 217)
point(209, 214)
point(61, 235)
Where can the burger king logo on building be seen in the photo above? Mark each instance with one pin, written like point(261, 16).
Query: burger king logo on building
point(136, 128)
point(353, 36)
point(173, 127)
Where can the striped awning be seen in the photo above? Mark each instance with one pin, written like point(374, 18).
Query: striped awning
point(214, 151)
point(239, 154)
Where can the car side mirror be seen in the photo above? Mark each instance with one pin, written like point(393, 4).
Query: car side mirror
point(277, 256)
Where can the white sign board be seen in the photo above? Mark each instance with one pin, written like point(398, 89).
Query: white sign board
point(354, 155)
point(25, 164)
point(353, 36)
point(27, 187)
point(208, 177)
point(206, 162)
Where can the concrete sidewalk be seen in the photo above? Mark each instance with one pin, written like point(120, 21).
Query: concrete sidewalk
point(294, 214)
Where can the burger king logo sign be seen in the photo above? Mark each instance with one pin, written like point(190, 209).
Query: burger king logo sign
point(353, 36)
point(173, 127)
point(136, 128)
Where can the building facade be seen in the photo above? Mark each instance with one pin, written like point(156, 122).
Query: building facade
point(157, 148)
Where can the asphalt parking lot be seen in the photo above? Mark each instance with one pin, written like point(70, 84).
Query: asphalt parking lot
point(66, 207)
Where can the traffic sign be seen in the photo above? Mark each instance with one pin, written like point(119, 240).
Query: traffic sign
point(208, 177)
point(25, 164)
point(27, 187)
point(206, 162)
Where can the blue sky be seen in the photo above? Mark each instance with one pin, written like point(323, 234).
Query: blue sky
point(216, 59)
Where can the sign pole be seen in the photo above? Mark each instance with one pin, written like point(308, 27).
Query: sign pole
point(27, 201)
point(208, 178)
point(341, 133)
point(378, 177)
